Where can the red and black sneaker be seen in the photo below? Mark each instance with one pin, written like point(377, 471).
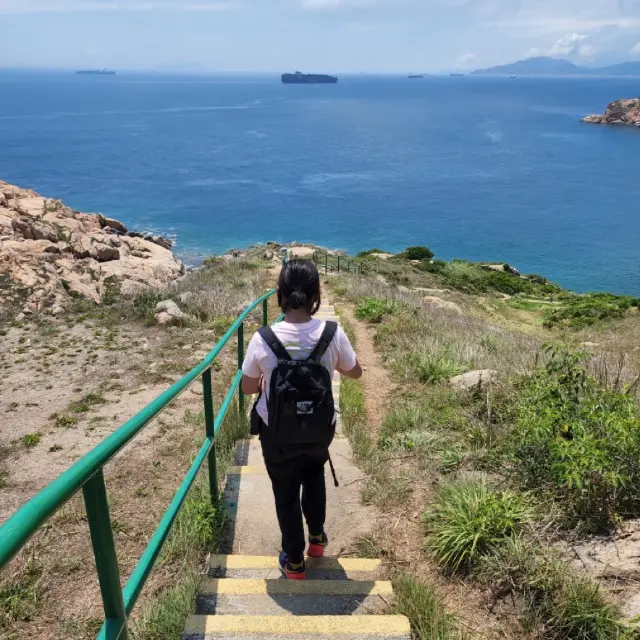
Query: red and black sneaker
point(317, 545)
point(291, 571)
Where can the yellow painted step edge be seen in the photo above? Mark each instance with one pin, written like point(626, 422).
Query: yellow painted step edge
point(270, 562)
point(246, 471)
point(242, 586)
point(299, 625)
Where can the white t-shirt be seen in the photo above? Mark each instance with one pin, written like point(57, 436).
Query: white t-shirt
point(299, 340)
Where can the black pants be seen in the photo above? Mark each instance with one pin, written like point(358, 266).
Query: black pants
point(288, 478)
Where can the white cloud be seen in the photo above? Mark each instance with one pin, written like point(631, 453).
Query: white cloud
point(570, 45)
point(635, 49)
point(465, 59)
point(332, 5)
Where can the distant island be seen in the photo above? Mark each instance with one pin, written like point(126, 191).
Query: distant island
point(307, 78)
point(546, 66)
point(626, 112)
point(95, 72)
point(416, 75)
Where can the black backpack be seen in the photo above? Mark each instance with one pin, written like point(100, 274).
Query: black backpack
point(301, 407)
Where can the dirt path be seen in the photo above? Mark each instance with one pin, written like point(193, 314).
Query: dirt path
point(400, 538)
point(378, 386)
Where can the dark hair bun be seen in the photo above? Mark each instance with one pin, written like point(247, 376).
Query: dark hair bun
point(298, 299)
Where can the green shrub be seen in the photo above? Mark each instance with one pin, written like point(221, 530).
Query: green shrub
point(425, 609)
point(583, 311)
point(374, 309)
point(470, 520)
point(418, 253)
point(144, 304)
point(434, 266)
point(578, 441)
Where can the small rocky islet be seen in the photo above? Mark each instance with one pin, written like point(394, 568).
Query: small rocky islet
point(621, 112)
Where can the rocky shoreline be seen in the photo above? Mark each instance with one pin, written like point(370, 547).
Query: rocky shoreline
point(624, 112)
point(50, 253)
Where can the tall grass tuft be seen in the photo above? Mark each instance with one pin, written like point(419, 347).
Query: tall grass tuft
point(425, 610)
point(470, 520)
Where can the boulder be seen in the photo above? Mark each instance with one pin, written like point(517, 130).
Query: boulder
point(34, 229)
point(477, 379)
point(168, 312)
point(110, 223)
point(445, 305)
point(268, 255)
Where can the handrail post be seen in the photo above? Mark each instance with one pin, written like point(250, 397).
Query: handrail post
point(240, 361)
point(265, 313)
point(338, 264)
point(326, 263)
point(104, 551)
point(209, 420)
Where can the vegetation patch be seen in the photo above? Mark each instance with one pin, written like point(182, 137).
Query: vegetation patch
point(557, 603)
point(470, 520)
point(426, 612)
point(578, 312)
point(374, 310)
point(577, 440)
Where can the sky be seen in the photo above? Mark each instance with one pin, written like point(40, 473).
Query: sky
point(378, 36)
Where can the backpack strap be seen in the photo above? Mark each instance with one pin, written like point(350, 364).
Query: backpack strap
point(330, 329)
point(274, 343)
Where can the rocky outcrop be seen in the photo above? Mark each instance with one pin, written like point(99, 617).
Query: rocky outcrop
point(625, 112)
point(474, 379)
point(48, 253)
point(168, 312)
point(438, 303)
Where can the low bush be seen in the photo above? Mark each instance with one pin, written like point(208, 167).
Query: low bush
point(418, 253)
point(556, 602)
point(577, 440)
point(470, 520)
point(578, 312)
point(368, 252)
point(374, 309)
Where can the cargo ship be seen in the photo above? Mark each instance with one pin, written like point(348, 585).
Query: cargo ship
point(307, 78)
point(416, 75)
point(95, 72)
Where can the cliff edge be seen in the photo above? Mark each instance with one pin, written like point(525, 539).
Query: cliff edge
point(49, 253)
point(625, 112)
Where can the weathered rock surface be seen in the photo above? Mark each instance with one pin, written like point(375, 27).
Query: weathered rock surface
point(439, 303)
point(625, 112)
point(49, 252)
point(473, 379)
point(168, 312)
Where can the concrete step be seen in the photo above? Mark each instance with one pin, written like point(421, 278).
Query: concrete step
point(265, 567)
point(248, 627)
point(228, 596)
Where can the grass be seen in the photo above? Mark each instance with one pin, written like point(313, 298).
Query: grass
point(426, 612)
point(579, 311)
point(557, 603)
point(64, 421)
point(30, 440)
point(20, 596)
point(430, 368)
point(87, 401)
point(470, 520)
point(374, 310)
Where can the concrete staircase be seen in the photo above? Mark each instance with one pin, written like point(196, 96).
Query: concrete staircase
point(245, 598)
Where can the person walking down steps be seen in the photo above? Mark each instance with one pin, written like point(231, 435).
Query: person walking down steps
point(291, 366)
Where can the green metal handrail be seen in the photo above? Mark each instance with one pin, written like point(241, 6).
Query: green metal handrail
point(321, 258)
point(87, 474)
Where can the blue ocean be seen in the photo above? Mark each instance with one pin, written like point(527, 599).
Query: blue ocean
point(477, 168)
